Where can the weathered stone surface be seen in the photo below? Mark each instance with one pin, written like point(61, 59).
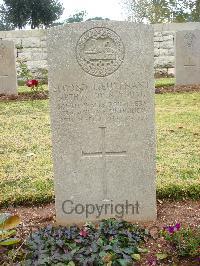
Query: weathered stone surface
point(163, 52)
point(31, 47)
point(188, 57)
point(162, 60)
point(176, 27)
point(37, 65)
point(102, 112)
point(8, 75)
point(31, 42)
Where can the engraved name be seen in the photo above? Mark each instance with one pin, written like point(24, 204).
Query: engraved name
point(89, 102)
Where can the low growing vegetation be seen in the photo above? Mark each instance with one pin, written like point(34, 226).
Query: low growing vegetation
point(8, 239)
point(185, 241)
point(110, 242)
point(164, 82)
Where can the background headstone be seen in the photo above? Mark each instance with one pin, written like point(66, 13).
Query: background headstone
point(102, 113)
point(188, 57)
point(8, 75)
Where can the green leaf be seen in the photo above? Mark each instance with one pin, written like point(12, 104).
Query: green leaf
point(124, 262)
point(161, 256)
point(71, 263)
point(102, 254)
point(3, 217)
point(107, 258)
point(100, 242)
point(8, 221)
point(136, 257)
point(128, 250)
point(142, 250)
point(5, 233)
point(9, 242)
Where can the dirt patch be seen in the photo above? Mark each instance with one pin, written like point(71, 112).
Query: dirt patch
point(25, 96)
point(177, 89)
point(184, 212)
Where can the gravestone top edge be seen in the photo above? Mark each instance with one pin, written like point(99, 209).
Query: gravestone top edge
point(7, 42)
point(98, 23)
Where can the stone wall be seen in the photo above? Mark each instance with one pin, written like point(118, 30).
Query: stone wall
point(32, 46)
point(164, 52)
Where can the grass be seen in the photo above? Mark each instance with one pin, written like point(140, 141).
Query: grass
point(164, 82)
point(26, 163)
point(25, 89)
point(178, 142)
point(26, 174)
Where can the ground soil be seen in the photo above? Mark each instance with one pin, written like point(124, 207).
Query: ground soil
point(186, 212)
point(23, 96)
point(177, 89)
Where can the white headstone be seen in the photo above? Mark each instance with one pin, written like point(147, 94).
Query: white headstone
point(102, 113)
point(8, 75)
point(188, 57)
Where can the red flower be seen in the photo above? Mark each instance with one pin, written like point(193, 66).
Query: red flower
point(32, 83)
point(83, 233)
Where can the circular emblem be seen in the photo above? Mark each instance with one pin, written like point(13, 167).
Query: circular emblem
point(189, 38)
point(100, 51)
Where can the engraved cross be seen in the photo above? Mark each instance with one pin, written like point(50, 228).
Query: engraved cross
point(103, 154)
point(190, 62)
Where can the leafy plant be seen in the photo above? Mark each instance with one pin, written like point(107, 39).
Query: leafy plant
point(23, 71)
point(111, 242)
point(7, 224)
point(42, 74)
point(8, 239)
point(26, 75)
point(186, 241)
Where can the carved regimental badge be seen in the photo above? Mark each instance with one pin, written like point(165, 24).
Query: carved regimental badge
point(189, 39)
point(100, 51)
